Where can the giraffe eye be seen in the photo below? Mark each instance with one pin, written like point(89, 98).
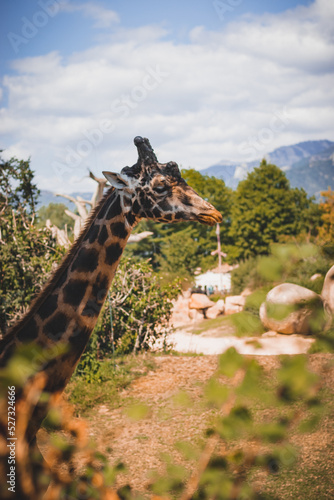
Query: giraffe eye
point(160, 188)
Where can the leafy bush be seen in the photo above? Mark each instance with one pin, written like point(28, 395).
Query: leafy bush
point(134, 317)
point(27, 254)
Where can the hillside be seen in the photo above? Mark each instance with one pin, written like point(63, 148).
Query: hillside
point(308, 165)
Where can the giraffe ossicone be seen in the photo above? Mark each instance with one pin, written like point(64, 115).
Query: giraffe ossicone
point(67, 309)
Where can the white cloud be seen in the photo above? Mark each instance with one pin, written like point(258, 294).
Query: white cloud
point(18, 150)
point(38, 65)
point(103, 18)
point(198, 102)
point(301, 38)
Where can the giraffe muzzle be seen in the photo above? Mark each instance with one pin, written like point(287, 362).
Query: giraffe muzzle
point(210, 218)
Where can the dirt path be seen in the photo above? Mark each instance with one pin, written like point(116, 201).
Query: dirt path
point(171, 396)
point(212, 342)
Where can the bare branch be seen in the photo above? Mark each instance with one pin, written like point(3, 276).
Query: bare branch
point(101, 184)
point(80, 204)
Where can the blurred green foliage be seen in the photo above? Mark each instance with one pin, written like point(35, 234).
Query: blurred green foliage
point(221, 465)
point(288, 262)
point(237, 444)
point(67, 445)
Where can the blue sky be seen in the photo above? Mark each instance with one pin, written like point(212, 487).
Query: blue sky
point(68, 32)
point(204, 80)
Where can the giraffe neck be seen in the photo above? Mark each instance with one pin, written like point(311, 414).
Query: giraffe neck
point(68, 308)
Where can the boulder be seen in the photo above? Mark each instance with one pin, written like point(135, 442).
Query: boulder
point(200, 301)
point(315, 277)
point(291, 308)
point(327, 292)
point(180, 313)
point(234, 304)
point(180, 318)
point(216, 310)
point(186, 294)
point(196, 316)
point(181, 303)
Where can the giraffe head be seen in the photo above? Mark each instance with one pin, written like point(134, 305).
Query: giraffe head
point(154, 190)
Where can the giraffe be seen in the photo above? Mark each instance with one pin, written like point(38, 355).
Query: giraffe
point(67, 308)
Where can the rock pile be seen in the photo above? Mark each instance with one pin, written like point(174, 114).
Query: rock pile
point(192, 308)
point(234, 304)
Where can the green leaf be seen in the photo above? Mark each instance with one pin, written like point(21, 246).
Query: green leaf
point(188, 450)
point(251, 383)
point(230, 361)
point(216, 393)
point(272, 432)
point(297, 382)
point(247, 324)
point(235, 424)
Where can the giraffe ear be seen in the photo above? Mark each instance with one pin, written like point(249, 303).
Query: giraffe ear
point(117, 180)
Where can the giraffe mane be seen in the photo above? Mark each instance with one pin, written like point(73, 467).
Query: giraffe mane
point(52, 281)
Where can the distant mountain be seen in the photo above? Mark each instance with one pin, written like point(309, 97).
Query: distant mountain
point(225, 170)
point(307, 164)
point(47, 197)
point(287, 156)
point(314, 173)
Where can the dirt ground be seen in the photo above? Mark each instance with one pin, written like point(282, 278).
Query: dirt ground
point(173, 411)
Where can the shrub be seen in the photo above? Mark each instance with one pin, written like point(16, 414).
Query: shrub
point(135, 315)
point(27, 254)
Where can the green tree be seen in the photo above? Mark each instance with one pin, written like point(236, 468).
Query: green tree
point(180, 253)
point(17, 190)
point(56, 213)
point(309, 213)
point(326, 231)
point(265, 208)
point(26, 253)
